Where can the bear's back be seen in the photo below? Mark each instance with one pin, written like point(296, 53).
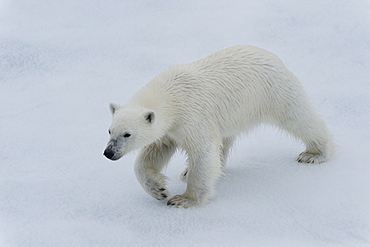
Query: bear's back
point(230, 88)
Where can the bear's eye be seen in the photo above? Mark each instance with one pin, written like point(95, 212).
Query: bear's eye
point(109, 132)
point(126, 135)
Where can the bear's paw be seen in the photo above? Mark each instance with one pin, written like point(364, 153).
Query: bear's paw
point(157, 190)
point(182, 201)
point(311, 158)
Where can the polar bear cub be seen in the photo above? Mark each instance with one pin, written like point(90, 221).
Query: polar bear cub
point(201, 108)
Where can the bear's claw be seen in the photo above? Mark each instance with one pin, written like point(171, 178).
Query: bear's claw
point(184, 175)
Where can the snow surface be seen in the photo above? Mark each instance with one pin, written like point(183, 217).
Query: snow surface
point(62, 62)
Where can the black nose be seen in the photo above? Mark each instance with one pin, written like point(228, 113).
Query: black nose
point(108, 153)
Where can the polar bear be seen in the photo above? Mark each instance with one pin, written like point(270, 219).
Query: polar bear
point(201, 108)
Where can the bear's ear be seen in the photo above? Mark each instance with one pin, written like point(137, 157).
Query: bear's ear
point(113, 107)
point(149, 116)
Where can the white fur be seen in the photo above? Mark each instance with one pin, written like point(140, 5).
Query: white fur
point(202, 107)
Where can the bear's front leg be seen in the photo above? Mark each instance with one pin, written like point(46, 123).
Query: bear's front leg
point(227, 144)
point(203, 171)
point(148, 167)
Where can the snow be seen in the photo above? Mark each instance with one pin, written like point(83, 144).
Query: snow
point(63, 62)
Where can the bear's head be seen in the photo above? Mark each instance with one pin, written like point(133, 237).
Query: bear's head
point(132, 128)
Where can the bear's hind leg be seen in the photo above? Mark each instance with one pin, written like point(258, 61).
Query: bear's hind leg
point(319, 146)
point(149, 164)
point(308, 127)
